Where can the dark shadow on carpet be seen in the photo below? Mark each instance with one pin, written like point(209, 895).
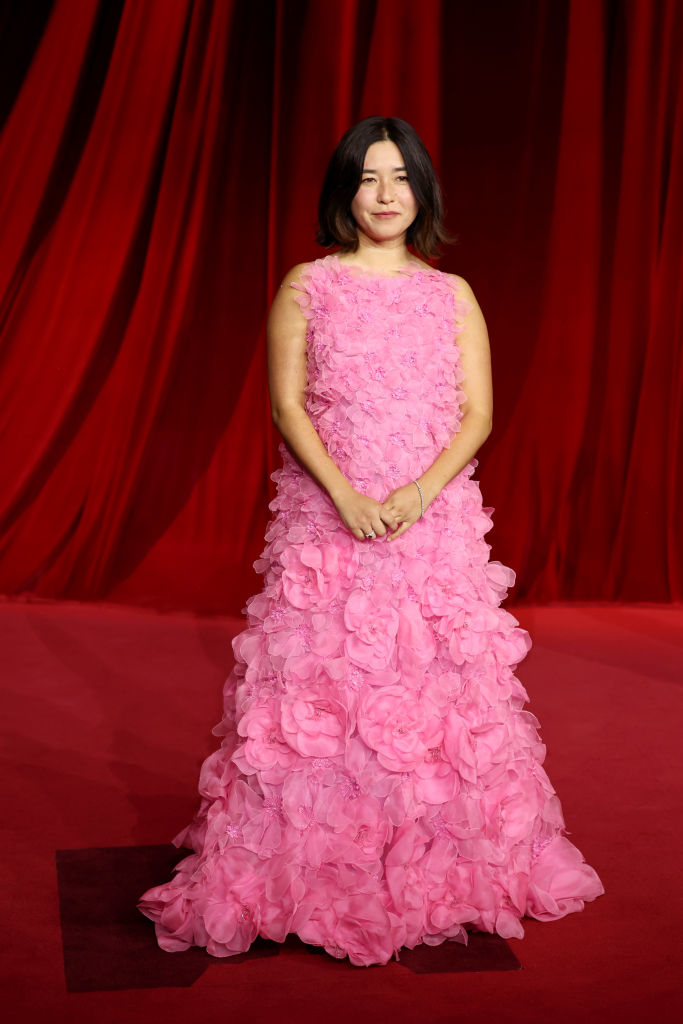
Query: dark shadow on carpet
point(483, 952)
point(108, 944)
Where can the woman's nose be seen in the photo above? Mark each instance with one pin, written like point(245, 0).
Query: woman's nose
point(385, 192)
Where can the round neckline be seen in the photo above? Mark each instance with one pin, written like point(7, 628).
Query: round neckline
point(355, 270)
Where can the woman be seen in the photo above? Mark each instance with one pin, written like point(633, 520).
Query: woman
point(378, 784)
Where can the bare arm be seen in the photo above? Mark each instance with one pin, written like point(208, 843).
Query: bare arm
point(286, 333)
point(475, 426)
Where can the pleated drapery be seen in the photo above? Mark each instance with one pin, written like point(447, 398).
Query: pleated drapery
point(159, 169)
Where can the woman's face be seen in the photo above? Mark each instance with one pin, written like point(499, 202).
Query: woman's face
point(384, 206)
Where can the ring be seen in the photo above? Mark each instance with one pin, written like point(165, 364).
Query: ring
point(371, 535)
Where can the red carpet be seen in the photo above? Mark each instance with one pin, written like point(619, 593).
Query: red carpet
point(107, 715)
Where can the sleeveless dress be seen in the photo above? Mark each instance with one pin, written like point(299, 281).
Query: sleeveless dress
point(379, 784)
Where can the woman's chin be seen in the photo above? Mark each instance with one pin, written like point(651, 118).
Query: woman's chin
point(384, 233)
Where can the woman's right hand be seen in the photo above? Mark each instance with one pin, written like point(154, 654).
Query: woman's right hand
point(363, 515)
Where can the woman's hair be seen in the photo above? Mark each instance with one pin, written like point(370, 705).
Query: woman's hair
point(343, 177)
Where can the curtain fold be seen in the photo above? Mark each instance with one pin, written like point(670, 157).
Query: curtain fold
point(159, 170)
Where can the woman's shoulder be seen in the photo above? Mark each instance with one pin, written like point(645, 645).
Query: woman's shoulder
point(302, 287)
point(463, 296)
point(307, 276)
point(296, 274)
point(459, 285)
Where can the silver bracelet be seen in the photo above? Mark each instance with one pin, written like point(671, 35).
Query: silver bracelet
point(422, 499)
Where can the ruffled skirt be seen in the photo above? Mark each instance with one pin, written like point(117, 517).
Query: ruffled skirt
point(379, 783)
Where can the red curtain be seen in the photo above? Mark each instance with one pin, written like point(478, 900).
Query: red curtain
point(159, 169)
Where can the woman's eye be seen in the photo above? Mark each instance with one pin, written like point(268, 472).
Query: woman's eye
point(366, 181)
point(402, 177)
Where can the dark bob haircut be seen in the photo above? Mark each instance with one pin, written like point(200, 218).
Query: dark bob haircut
point(343, 177)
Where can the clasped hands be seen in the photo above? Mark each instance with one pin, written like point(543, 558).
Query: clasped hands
point(366, 517)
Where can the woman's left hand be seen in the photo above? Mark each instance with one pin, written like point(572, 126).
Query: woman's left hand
point(403, 503)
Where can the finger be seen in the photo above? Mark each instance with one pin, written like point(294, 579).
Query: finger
point(390, 515)
point(393, 522)
point(402, 529)
point(379, 527)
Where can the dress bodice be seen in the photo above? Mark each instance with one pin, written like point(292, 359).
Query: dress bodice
point(384, 369)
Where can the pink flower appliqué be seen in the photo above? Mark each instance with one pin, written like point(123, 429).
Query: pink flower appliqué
point(403, 871)
point(313, 722)
point(447, 591)
point(313, 575)
point(415, 643)
point(399, 726)
point(373, 624)
point(265, 749)
point(231, 924)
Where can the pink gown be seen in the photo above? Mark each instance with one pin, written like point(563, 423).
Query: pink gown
point(379, 784)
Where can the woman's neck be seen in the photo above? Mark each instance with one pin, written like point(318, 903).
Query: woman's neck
point(385, 256)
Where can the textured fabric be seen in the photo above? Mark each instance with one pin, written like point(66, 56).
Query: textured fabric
point(379, 783)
